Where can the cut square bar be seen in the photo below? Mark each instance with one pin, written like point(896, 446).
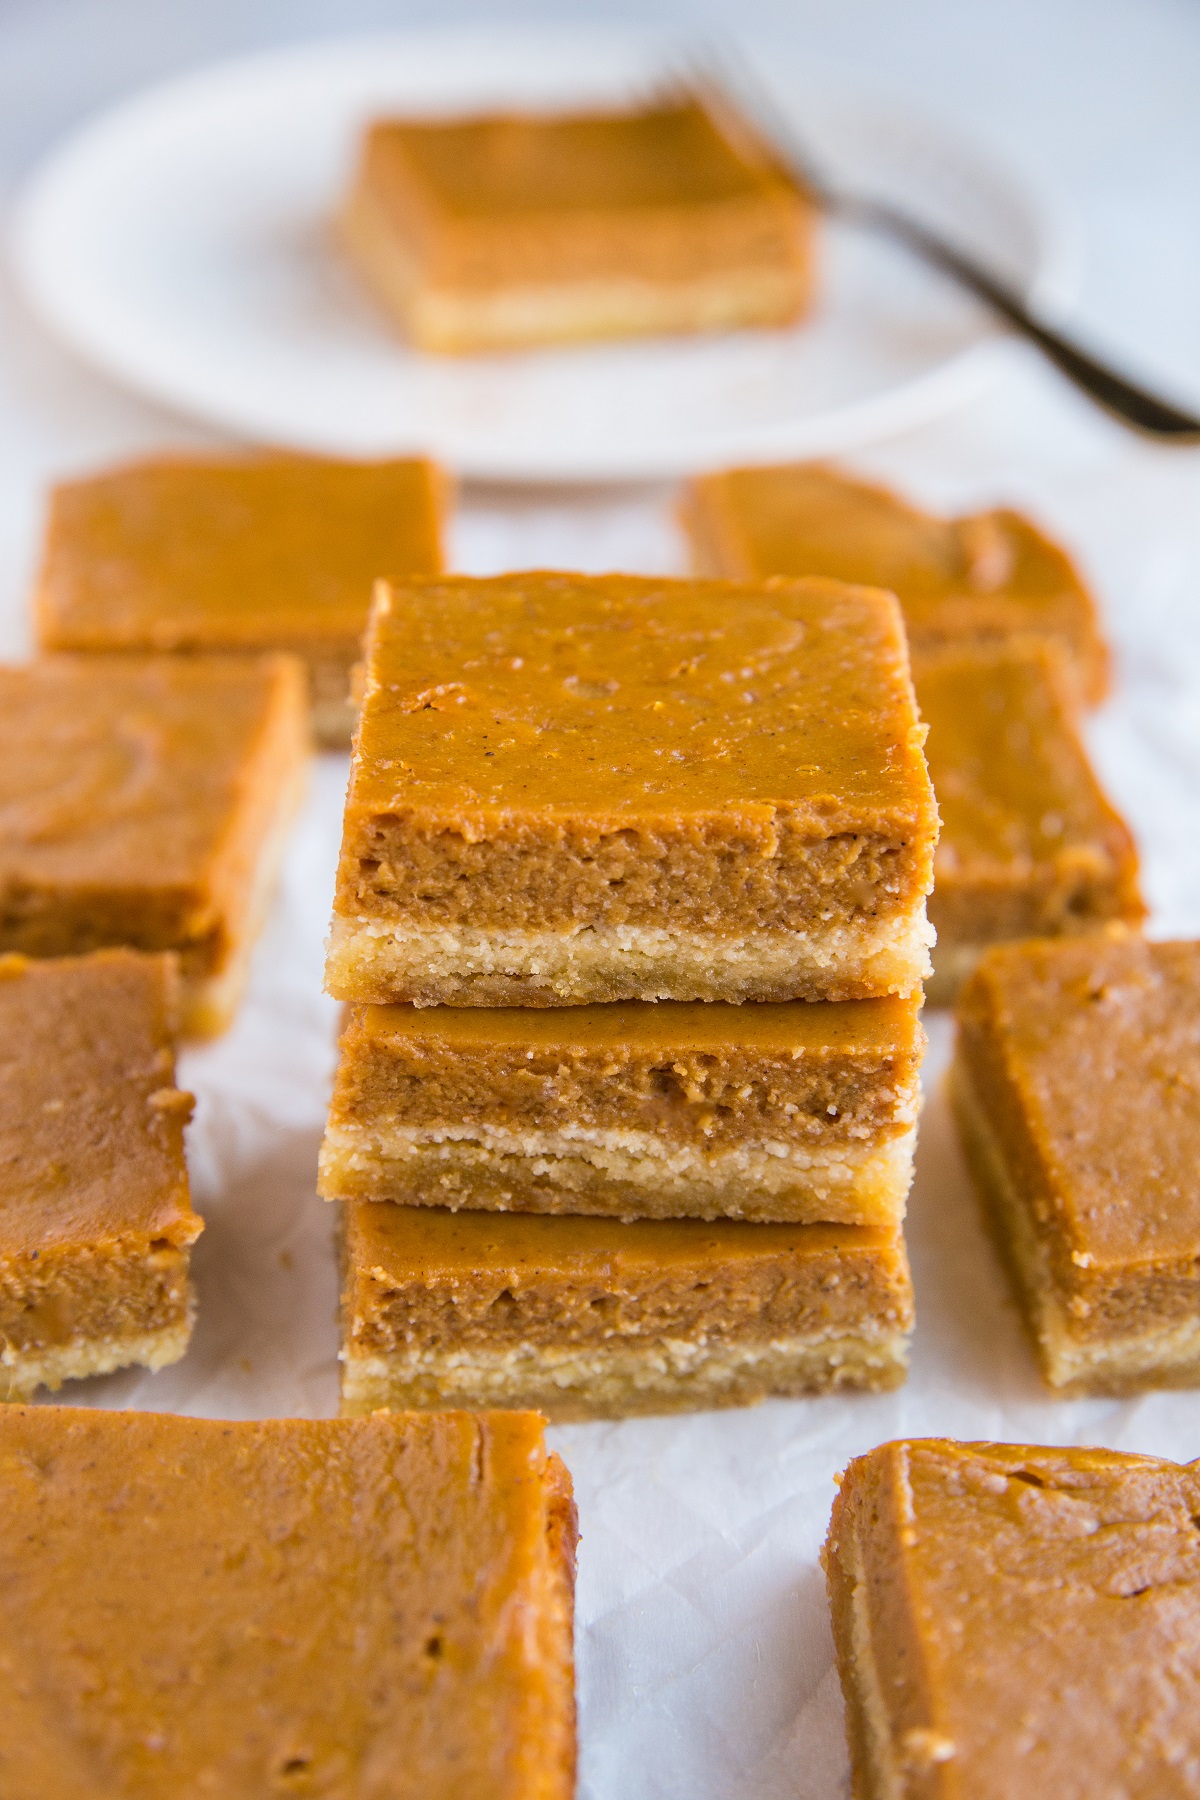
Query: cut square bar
point(146, 801)
point(517, 229)
point(1077, 1089)
point(797, 1112)
point(356, 1608)
point(96, 1223)
point(1012, 1622)
point(572, 788)
point(1030, 846)
point(985, 575)
point(595, 1319)
point(237, 553)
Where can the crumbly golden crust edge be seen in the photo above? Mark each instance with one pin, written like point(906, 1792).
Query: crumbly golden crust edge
point(613, 1382)
point(374, 961)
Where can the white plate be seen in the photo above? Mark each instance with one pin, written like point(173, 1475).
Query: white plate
point(182, 244)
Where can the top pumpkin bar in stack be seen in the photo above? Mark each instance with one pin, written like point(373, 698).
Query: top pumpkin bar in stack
point(569, 788)
point(986, 576)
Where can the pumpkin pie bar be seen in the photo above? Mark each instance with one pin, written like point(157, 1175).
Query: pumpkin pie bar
point(145, 801)
point(353, 1608)
point(799, 1111)
point(1030, 846)
point(571, 788)
point(987, 575)
point(1012, 1621)
point(237, 553)
point(96, 1224)
point(513, 229)
point(1077, 1089)
point(591, 1318)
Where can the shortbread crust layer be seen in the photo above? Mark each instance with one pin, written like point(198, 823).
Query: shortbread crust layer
point(621, 1175)
point(598, 1318)
point(570, 788)
point(369, 960)
point(795, 1112)
point(1074, 1086)
point(22, 1372)
point(626, 1381)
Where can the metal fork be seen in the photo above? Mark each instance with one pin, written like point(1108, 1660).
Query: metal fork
point(723, 71)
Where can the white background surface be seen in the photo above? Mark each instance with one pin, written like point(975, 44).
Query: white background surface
point(705, 1660)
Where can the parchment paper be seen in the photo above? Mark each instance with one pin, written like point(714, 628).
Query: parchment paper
point(705, 1660)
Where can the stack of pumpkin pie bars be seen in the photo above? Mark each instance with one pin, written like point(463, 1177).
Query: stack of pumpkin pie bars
point(630, 919)
point(631, 930)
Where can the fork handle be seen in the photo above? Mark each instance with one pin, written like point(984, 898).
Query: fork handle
point(1128, 401)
